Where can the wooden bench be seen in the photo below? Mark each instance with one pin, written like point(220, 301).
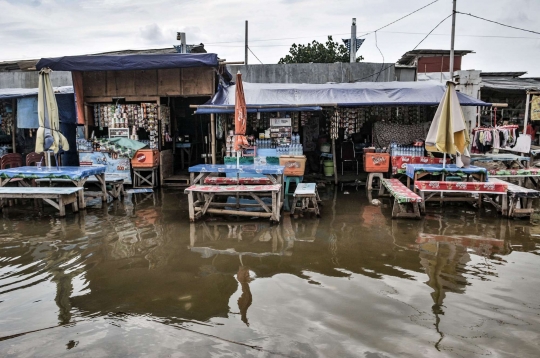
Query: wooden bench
point(63, 196)
point(515, 195)
point(461, 191)
point(212, 180)
point(115, 184)
point(306, 192)
point(204, 204)
point(402, 196)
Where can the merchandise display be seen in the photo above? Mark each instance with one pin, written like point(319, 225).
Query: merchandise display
point(6, 115)
point(137, 116)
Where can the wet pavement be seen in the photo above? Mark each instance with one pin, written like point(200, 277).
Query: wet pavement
point(135, 278)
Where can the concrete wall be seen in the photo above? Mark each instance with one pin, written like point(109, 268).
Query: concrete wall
point(316, 72)
point(29, 79)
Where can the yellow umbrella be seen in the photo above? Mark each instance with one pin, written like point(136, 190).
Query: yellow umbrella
point(48, 135)
point(448, 132)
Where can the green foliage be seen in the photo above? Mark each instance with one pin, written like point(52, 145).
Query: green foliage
point(317, 52)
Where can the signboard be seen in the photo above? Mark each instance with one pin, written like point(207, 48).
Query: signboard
point(116, 167)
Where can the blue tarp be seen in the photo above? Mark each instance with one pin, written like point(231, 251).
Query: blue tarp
point(274, 96)
point(128, 62)
point(9, 93)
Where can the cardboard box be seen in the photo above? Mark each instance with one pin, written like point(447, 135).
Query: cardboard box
point(294, 165)
point(376, 162)
point(145, 158)
point(280, 122)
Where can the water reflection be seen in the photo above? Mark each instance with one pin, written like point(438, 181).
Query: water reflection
point(141, 258)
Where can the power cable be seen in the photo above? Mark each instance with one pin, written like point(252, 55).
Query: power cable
point(401, 18)
point(382, 65)
point(255, 56)
point(367, 33)
point(387, 67)
point(498, 23)
point(429, 33)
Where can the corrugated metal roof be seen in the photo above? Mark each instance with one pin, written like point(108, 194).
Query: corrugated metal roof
point(511, 84)
point(409, 56)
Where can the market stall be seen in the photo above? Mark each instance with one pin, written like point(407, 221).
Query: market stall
point(138, 97)
point(388, 117)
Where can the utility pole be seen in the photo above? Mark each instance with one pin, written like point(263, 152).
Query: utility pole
point(352, 52)
point(452, 38)
point(246, 46)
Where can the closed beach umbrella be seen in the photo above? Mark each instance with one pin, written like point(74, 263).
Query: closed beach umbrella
point(240, 115)
point(48, 135)
point(448, 132)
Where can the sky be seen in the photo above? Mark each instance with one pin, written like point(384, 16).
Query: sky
point(33, 29)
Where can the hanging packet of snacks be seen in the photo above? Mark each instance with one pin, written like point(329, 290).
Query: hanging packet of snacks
point(334, 125)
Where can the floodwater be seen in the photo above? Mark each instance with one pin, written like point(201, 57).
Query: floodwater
point(135, 278)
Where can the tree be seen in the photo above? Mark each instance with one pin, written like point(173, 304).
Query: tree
point(318, 53)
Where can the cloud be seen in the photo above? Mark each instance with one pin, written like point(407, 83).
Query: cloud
point(153, 34)
point(63, 27)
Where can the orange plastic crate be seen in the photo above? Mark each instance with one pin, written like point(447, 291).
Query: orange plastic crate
point(376, 162)
point(145, 158)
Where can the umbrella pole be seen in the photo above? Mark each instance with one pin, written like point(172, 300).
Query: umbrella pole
point(444, 161)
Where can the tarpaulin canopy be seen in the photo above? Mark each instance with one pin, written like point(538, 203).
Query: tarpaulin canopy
point(9, 93)
point(128, 62)
point(290, 96)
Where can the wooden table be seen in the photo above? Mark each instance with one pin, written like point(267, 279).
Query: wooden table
point(506, 158)
point(418, 171)
point(272, 172)
point(75, 175)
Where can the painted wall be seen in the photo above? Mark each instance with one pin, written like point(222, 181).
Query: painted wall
point(316, 72)
point(29, 79)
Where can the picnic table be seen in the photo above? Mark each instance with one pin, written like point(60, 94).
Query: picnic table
point(206, 193)
point(418, 171)
point(76, 175)
point(506, 158)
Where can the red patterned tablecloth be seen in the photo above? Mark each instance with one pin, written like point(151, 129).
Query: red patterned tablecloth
point(236, 181)
point(473, 186)
point(400, 162)
point(232, 188)
point(400, 192)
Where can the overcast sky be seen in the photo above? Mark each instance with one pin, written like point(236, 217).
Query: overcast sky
point(51, 28)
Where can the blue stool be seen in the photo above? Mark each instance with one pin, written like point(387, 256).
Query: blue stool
point(288, 181)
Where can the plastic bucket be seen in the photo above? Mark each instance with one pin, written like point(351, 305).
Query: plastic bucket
point(328, 168)
point(325, 147)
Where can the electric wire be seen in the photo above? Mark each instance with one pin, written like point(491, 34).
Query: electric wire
point(255, 56)
point(382, 65)
point(387, 67)
point(401, 18)
point(429, 33)
point(498, 23)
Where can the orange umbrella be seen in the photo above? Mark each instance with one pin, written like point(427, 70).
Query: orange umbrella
point(240, 115)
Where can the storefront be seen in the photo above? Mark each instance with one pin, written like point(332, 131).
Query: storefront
point(19, 120)
point(139, 97)
point(334, 122)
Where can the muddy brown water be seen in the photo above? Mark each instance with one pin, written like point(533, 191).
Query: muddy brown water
point(135, 278)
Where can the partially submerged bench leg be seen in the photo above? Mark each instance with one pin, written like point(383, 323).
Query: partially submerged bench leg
point(191, 207)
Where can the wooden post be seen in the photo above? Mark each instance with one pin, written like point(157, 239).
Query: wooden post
point(334, 159)
point(213, 136)
point(14, 125)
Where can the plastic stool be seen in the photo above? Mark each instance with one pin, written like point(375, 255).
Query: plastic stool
point(287, 180)
point(369, 183)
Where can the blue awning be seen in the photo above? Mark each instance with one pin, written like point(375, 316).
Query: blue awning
point(128, 62)
point(276, 97)
point(10, 93)
point(253, 109)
